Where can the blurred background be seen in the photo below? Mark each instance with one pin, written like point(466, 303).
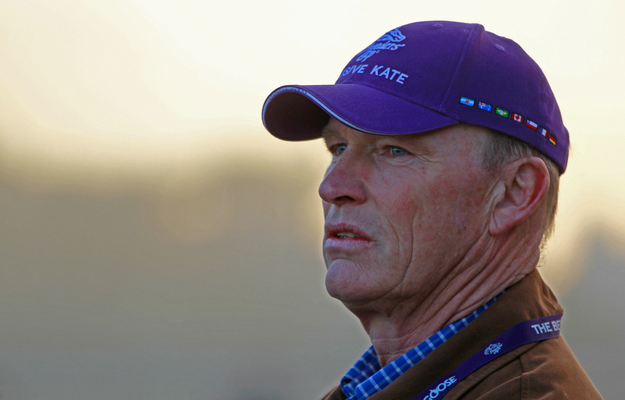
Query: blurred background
point(157, 243)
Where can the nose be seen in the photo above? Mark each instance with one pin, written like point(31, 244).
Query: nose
point(343, 182)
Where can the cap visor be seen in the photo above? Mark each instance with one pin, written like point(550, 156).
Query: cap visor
point(301, 112)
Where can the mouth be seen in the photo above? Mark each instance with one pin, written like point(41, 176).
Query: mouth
point(347, 235)
point(345, 240)
point(344, 231)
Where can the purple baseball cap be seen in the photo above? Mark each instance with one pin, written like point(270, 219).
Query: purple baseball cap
point(424, 76)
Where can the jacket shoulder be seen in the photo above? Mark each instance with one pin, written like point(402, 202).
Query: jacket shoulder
point(551, 371)
point(543, 371)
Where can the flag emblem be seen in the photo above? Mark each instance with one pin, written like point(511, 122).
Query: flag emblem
point(467, 101)
point(483, 106)
point(532, 125)
point(501, 112)
point(518, 117)
point(544, 132)
point(553, 140)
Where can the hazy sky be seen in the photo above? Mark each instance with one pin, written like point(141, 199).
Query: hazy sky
point(142, 84)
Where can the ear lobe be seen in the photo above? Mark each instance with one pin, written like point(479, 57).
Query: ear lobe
point(524, 186)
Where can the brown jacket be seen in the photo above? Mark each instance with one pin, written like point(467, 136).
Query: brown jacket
point(540, 370)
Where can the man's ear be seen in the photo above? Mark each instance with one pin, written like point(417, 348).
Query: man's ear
point(520, 192)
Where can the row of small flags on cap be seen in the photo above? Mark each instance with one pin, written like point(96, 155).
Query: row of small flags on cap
point(507, 114)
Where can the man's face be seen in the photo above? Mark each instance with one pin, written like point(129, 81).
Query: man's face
point(402, 212)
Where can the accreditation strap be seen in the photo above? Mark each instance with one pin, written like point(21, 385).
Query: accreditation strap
point(530, 331)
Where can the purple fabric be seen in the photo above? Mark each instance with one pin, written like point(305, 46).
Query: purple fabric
point(424, 76)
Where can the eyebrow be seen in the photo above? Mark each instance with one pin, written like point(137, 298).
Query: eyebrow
point(325, 132)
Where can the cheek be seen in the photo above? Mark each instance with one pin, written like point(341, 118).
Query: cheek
point(459, 202)
point(444, 204)
point(405, 214)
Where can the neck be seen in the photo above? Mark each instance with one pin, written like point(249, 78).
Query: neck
point(396, 329)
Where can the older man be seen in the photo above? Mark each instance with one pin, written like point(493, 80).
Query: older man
point(447, 145)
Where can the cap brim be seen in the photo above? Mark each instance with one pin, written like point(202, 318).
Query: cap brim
point(301, 112)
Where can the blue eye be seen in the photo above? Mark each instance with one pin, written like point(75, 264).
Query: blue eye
point(397, 151)
point(339, 149)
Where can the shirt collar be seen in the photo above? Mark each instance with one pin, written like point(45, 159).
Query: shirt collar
point(366, 377)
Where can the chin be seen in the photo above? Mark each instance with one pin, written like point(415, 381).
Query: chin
point(344, 282)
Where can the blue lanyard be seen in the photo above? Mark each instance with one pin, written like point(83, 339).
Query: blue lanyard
point(519, 335)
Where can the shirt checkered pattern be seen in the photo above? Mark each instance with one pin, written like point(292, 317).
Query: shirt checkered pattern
point(367, 377)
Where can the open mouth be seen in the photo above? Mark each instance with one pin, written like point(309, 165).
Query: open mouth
point(345, 231)
point(347, 235)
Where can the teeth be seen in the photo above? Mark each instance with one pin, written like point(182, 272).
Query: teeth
point(343, 235)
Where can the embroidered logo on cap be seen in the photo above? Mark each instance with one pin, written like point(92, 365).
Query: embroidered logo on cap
point(483, 106)
point(553, 140)
point(389, 41)
point(467, 101)
point(515, 117)
point(532, 125)
point(502, 113)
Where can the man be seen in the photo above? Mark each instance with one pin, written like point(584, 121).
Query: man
point(447, 145)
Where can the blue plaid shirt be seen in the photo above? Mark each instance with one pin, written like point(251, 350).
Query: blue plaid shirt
point(367, 377)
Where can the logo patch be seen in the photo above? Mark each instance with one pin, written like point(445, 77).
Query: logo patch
point(553, 140)
point(532, 125)
point(493, 349)
point(467, 101)
point(389, 41)
point(501, 112)
point(483, 106)
point(518, 117)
